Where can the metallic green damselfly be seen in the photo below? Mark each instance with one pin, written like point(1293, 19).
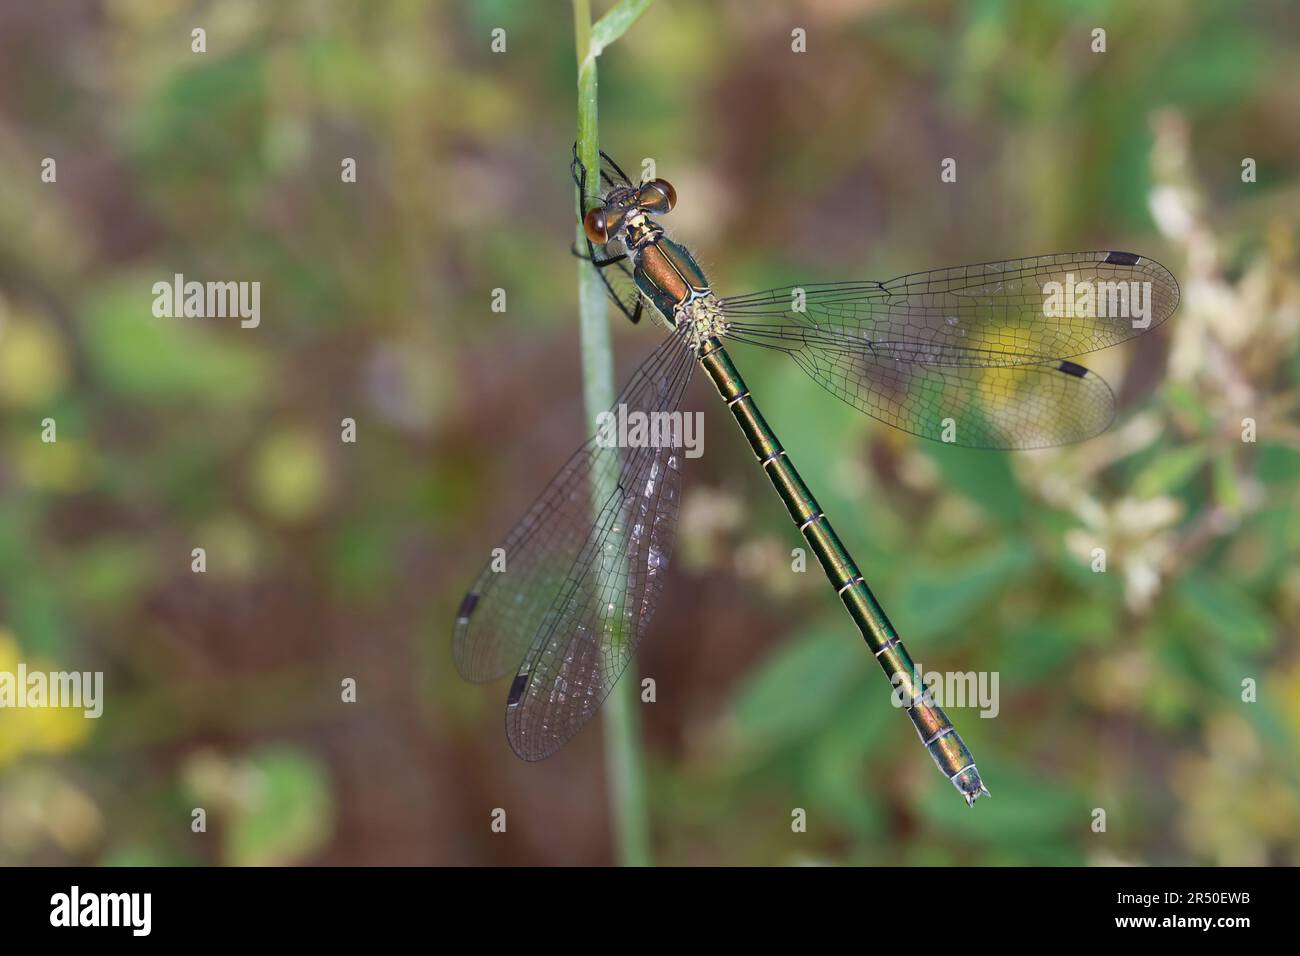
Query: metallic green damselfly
point(978, 356)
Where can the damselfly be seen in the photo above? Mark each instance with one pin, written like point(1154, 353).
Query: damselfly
point(977, 355)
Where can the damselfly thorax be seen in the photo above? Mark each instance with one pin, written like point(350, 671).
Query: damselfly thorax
point(664, 270)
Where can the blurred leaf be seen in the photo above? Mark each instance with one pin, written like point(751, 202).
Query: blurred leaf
point(1181, 398)
point(1227, 488)
point(1169, 470)
point(797, 688)
point(149, 359)
point(983, 476)
point(1024, 812)
point(936, 603)
point(362, 559)
point(1214, 68)
point(838, 774)
point(287, 816)
point(138, 854)
point(1226, 612)
point(615, 23)
point(1034, 652)
point(1278, 464)
point(179, 134)
point(37, 612)
point(108, 572)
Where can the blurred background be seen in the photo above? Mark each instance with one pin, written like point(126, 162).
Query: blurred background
point(328, 560)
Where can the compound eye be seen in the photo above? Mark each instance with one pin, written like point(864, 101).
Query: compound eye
point(595, 226)
point(602, 223)
point(657, 196)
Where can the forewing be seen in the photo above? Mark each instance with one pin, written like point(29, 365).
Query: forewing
point(1016, 311)
point(611, 174)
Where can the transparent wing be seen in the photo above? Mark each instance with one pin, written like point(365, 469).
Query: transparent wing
point(580, 583)
point(1016, 311)
point(611, 174)
point(974, 355)
point(1009, 406)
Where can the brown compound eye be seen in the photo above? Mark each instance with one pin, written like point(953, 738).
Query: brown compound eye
point(657, 197)
point(601, 223)
point(595, 226)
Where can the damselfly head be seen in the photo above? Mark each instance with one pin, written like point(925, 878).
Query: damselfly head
point(626, 206)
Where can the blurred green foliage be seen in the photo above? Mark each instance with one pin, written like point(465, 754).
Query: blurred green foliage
point(329, 560)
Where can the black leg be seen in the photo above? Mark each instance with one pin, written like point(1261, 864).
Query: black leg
point(598, 263)
point(579, 173)
point(576, 169)
point(580, 178)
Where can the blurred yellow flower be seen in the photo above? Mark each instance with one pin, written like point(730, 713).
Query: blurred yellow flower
point(290, 475)
point(65, 465)
point(35, 729)
point(33, 366)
